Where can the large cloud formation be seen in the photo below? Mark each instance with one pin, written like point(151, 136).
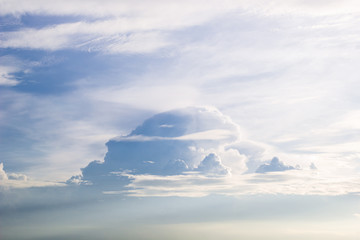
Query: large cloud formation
point(169, 143)
point(193, 144)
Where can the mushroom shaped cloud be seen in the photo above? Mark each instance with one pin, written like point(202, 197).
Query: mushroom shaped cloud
point(168, 143)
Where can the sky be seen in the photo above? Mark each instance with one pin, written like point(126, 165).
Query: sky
point(179, 119)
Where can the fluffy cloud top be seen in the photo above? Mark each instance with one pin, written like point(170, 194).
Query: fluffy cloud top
point(183, 122)
point(3, 175)
point(168, 143)
point(182, 153)
point(212, 165)
point(274, 166)
point(19, 180)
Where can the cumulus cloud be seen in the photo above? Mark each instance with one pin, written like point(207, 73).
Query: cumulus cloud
point(274, 166)
point(313, 166)
point(253, 151)
point(19, 180)
point(11, 179)
point(212, 165)
point(3, 175)
point(159, 159)
point(168, 143)
point(17, 176)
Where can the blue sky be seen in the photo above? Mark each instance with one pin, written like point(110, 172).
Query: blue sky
point(231, 105)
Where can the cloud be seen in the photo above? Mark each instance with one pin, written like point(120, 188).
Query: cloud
point(113, 27)
point(169, 143)
point(158, 158)
point(155, 159)
point(101, 9)
point(255, 152)
point(87, 37)
point(126, 27)
point(17, 176)
point(192, 184)
point(313, 166)
point(19, 180)
point(115, 8)
point(212, 165)
point(274, 166)
point(8, 66)
point(3, 175)
point(6, 79)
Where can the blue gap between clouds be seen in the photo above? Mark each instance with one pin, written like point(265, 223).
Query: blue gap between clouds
point(14, 23)
point(62, 68)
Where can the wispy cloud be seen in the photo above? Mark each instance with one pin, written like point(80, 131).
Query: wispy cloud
point(8, 66)
point(305, 182)
point(127, 27)
point(99, 36)
point(113, 7)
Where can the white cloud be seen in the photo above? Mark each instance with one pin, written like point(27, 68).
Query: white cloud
point(18, 180)
point(305, 182)
point(17, 176)
point(185, 185)
point(54, 138)
point(159, 163)
point(273, 74)
point(255, 152)
point(348, 121)
point(274, 166)
point(3, 175)
point(348, 147)
point(147, 179)
point(102, 36)
point(189, 144)
point(211, 164)
point(5, 76)
point(198, 9)
point(210, 135)
point(114, 8)
point(128, 27)
point(313, 166)
point(122, 27)
point(8, 66)
point(155, 96)
point(281, 77)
